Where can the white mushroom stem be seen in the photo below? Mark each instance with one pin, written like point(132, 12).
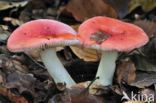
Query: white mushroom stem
point(55, 67)
point(106, 67)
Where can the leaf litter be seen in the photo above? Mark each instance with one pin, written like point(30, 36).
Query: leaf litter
point(23, 80)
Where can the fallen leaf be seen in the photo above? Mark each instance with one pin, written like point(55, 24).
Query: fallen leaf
point(80, 94)
point(143, 80)
point(86, 54)
point(147, 26)
point(12, 97)
point(147, 61)
point(23, 82)
point(3, 50)
point(75, 27)
point(147, 5)
point(84, 9)
point(61, 86)
point(35, 54)
point(144, 63)
point(126, 72)
point(147, 94)
point(4, 27)
point(12, 64)
point(134, 4)
point(14, 22)
point(2, 77)
point(134, 102)
point(4, 34)
point(120, 6)
point(6, 4)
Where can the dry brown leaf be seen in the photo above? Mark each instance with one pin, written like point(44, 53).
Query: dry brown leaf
point(86, 54)
point(35, 54)
point(144, 79)
point(6, 4)
point(2, 77)
point(146, 5)
point(4, 34)
point(11, 64)
point(61, 86)
point(149, 94)
point(80, 94)
point(75, 27)
point(23, 82)
point(147, 61)
point(126, 72)
point(147, 26)
point(144, 63)
point(14, 22)
point(4, 27)
point(133, 102)
point(83, 9)
point(120, 6)
point(12, 97)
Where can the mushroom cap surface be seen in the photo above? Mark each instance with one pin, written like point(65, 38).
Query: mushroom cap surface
point(41, 33)
point(106, 33)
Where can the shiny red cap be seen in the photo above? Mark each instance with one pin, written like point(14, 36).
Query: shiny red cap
point(111, 34)
point(41, 33)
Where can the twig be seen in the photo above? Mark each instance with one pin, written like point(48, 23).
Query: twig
point(86, 89)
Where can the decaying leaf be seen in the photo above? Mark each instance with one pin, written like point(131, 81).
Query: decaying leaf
point(86, 54)
point(12, 97)
point(147, 5)
point(6, 4)
point(2, 77)
point(148, 93)
point(35, 54)
point(147, 26)
point(97, 89)
point(13, 21)
point(144, 80)
point(134, 102)
point(146, 62)
point(4, 34)
point(126, 72)
point(75, 27)
point(83, 9)
point(120, 6)
point(23, 82)
point(61, 86)
point(80, 94)
point(11, 64)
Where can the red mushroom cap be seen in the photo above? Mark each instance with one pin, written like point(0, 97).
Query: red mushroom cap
point(111, 34)
point(41, 33)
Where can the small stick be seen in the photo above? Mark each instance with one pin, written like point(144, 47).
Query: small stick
point(86, 89)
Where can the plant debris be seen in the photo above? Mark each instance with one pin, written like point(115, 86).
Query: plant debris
point(24, 78)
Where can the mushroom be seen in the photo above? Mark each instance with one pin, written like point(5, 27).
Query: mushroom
point(110, 35)
point(45, 35)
